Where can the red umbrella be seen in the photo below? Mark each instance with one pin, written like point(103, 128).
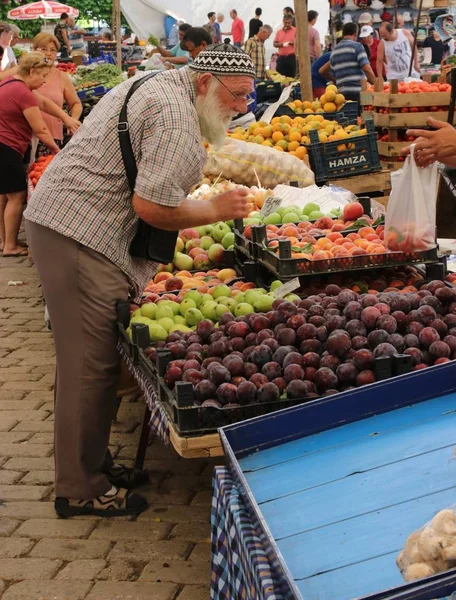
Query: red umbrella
point(45, 9)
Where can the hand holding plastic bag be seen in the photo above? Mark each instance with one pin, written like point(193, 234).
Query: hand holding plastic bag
point(411, 213)
point(242, 162)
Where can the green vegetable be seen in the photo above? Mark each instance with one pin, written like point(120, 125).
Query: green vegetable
point(154, 41)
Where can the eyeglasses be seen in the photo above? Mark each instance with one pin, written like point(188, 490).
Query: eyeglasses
point(50, 50)
point(237, 97)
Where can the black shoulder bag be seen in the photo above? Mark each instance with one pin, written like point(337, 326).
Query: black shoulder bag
point(149, 242)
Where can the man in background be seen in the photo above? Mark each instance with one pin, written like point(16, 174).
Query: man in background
point(61, 32)
point(288, 11)
point(9, 49)
point(196, 39)
point(255, 24)
point(237, 32)
point(365, 18)
point(176, 56)
point(437, 46)
point(314, 36)
point(349, 64)
point(218, 29)
point(395, 51)
point(76, 35)
point(285, 42)
point(209, 27)
point(254, 47)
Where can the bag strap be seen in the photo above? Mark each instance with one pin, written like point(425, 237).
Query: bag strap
point(123, 129)
point(11, 81)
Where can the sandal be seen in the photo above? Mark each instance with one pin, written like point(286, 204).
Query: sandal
point(22, 252)
point(122, 504)
point(125, 477)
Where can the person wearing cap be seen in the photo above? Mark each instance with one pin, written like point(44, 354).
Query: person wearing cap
point(87, 227)
point(366, 37)
point(395, 52)
point(366, 18)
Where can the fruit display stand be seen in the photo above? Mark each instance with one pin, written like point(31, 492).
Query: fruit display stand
point(394, 112)
point(358, 473)
point(376, 185)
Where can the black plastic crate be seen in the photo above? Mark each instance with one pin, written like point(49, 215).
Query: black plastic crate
point(192, 420)
point(267, 90)
point(345, 157)
point(282, 265)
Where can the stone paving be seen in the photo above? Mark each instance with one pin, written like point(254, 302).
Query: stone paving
point(164, 554)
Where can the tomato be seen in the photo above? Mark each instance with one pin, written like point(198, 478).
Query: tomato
point(414, 109)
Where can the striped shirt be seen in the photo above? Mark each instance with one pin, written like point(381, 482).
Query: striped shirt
point(84, 193)
point(255, 49)
point(347, 60)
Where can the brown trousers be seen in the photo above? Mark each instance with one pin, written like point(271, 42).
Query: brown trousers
point(81, 287)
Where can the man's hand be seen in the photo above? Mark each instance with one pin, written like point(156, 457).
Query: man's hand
point(230, 205)
point(72, 125)
point(433, 145)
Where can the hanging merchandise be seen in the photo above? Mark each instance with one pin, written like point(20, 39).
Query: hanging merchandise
point(407, 17)
point(377, 18)
point(347, 18)
point(377, 5)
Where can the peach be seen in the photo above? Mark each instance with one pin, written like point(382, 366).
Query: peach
point(226, 274)
point(173, 283)
point(353, 211)
point(162, 276)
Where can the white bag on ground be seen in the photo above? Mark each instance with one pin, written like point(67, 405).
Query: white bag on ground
point(411, 213)
point(242, 162)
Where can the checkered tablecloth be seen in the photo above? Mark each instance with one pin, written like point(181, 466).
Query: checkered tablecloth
point(159, 420)
point(240, 566)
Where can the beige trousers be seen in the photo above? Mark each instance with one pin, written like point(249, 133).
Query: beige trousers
point(80, 287)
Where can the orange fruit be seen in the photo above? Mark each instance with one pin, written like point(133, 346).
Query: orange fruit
point(277, 136)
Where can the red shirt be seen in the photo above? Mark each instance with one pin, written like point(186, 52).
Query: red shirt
point(282, 37)
point(15, 131)
point(237, 30)
point(373, 48)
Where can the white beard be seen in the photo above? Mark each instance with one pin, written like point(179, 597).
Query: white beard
point(213, 119)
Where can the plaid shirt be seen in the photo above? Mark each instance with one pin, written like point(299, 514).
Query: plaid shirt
point(84, 193)
point(255, 49)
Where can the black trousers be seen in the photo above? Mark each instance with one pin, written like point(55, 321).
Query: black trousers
point(286, 65)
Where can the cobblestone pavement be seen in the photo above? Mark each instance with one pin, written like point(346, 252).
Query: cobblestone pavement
point(162, 555)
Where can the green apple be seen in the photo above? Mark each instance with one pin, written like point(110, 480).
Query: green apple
point(180, 320)
point(179, 327)
point(230, 302)
point(193, 295)
point(264, 304)
point(243, 309)
point(163, 310)
point(228, 240)
point(316, 214)
point(166, 323)
point(275, 285)
point(310, 207)
point(185, 305)
point(221, 309)
point(193, 316)
point(304, 217)
point(219, 231)
point(183, 262)
point(206, 242)
point(290, 217)
point(221, 290)
point(201, 230)
point(157, 333)
point(252, 221)
point(273, 219)
point(208, 309)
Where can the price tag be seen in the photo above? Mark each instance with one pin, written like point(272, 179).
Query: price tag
point(287, 288)
point(271, 204)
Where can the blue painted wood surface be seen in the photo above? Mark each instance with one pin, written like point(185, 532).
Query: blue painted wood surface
point(340, 504)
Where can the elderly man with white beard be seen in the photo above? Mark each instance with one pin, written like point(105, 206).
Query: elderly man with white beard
point(80, 223)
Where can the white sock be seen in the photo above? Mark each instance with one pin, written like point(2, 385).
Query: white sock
point(111, 492)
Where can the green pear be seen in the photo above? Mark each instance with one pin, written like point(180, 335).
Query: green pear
point(163, 310)
point(251, 296)
point(166, 323)
point(275, 285)
point(137, 313)
point(193, 316)
point(185, 305)
point(264, 304)
point(157, 333)
point(240, 297)
point(230, 302)
point(180, 320)
point(221, 309)
point(221, 290)
point(243, 309)
point(208, 310)
point(228, 240)
point(179, 327)
point(148, 310)
point(193, 295)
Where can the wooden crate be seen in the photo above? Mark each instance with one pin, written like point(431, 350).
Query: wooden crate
point(391, 164)
point(384, 100)
point(441, 3)
point(365, 184)
point(391, 148)
point(205, 446)
point(406, 120)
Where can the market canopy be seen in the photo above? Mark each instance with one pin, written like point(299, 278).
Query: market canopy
point(44, 9)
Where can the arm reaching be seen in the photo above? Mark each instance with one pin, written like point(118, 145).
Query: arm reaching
point(433, 145)
point(39, 128)
point(52, 109)
point(380, 58)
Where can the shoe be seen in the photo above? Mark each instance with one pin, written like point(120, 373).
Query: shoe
point(125, 477)
point(121, 504)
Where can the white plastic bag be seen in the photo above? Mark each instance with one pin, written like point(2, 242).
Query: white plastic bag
point(246, 163)
point(431, 549)
point(411, 213)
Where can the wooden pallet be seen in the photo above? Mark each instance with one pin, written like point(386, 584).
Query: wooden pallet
point(205, 446)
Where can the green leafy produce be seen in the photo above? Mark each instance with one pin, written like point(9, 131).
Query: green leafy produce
point(104, 74)
point(153, 40)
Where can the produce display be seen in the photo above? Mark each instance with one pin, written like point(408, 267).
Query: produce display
point(251, 165)
point(278, 78)
point(415, 87)
point(302, 348)
point(168, 281)
point(201, 248)
point(292, 135)
point(430, 550)
point(189, 307)
point(206, 191)
point(331, 101)
point(39, 167)
point(106, 74)
point(69, 68)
